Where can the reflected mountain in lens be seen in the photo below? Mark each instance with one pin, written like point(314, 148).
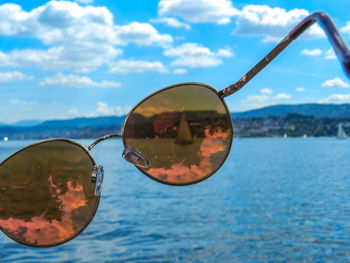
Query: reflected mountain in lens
point(46, 195)
point(187, 141)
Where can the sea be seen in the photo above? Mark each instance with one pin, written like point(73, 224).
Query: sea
point(274, 200)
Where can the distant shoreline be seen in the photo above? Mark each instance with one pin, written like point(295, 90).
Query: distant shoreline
point(235, 138)
point(303, 120)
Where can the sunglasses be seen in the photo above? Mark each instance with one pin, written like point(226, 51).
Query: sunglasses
point(180, 135)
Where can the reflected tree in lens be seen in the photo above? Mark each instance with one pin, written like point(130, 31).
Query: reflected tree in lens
point(184, 131)
point(46, 194)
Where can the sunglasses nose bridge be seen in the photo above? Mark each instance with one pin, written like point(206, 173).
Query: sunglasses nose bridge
point(136, 158)
point(97, 178)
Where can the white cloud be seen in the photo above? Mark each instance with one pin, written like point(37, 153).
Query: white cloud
point(337, 98)
point(255, 101)
point(346, 29)
point(258, 101)
point(282, 96)
point(272, 23)
point(312, 52)
point(59, 58)
point(199, 11)
point(75, 81)
point(330, 54)
point(73, 112)
point(266, 91)
point(257, 98)
point(23, 103)
point(300, 89)
point(13, 76)
point(138, 66)
point(4, 59)
point(180, 71)
point(336, 82)
point(225, 53)
point(119, 111)
point(142, 34)
point(79, 38)
point(171, 21)
point(104, 109)
point(195, 56)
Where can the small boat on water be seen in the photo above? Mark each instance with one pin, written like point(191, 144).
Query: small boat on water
point(305, 136)
point(341, 134)
point(285, 136)
point(6, 139)
point(184, 135)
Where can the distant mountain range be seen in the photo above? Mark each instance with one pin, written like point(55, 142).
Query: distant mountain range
point(91, 127)
point(85, 122)
point(311, 109)
point(315, 110)
point(73, 128)
point(71, 123)
point(26, 123)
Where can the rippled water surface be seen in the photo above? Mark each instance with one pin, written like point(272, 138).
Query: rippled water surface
point(273, 200)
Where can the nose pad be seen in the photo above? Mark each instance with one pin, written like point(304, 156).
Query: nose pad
point(97, 178)
point(136, 158)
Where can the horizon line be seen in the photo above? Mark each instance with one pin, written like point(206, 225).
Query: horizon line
point(101, 116)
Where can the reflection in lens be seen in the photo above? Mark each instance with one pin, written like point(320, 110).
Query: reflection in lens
point(46, 194)
point(184, 131)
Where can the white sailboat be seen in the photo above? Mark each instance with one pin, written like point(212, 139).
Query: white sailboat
point(341, 134)
point(184, 135)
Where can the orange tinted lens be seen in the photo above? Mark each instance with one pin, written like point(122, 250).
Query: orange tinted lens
point(184, 131)
point(46, 193)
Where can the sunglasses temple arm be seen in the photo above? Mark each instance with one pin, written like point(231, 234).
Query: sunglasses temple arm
point(256, 69)
point(339, 46)
point(106, 137)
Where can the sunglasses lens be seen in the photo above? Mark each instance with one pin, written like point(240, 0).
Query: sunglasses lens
point(46, 193)
point(184, 132)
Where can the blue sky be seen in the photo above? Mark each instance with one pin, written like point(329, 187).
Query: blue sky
point(63, 59)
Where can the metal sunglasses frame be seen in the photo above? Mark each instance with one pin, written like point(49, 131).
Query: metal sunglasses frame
point(337, 42)
point(183, 85)
point(98, 197)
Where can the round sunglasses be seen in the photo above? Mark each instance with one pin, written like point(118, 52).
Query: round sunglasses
point(180, 135)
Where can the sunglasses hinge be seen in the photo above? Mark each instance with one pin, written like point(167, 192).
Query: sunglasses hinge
point(94, 175)
point(97, 178)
